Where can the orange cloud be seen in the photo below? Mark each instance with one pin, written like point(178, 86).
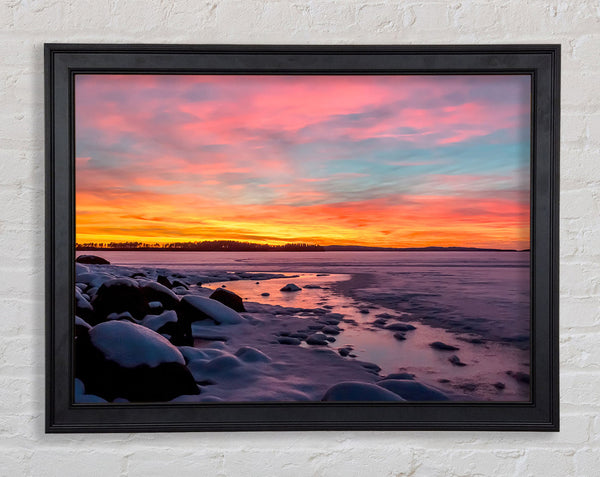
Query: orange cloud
point(390, 222)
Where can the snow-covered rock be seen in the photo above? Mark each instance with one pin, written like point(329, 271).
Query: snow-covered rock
point(156, 322)
point(155, 292)
point(81, 322)
point(83, 307)
point(331, 330)
point(94, 279)
point(118, 295)
point(317, 339)
point(79, 269)
point(130, 345)
point(410, 390)
point(252, 355)
point(125, 315)
point(190, 353)
point(119, 359)
point(195, 308)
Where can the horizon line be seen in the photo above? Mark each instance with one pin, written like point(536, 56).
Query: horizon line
point(188, 246)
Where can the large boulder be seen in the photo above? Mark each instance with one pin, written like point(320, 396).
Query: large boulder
point(131, 345)
point(119, 359)
point(228, 298)
point(196, 308)
point(119, 295)
point(92, 259)
point(168, 323)
point(153, 291)
point(358, 391)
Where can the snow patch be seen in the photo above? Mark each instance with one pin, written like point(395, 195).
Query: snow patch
point(155, 322)
point(215, 310)
point(131, 345)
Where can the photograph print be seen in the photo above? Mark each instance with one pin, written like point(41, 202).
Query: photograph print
point(302, 238)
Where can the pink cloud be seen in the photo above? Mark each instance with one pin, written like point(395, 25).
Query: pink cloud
point(291, 104)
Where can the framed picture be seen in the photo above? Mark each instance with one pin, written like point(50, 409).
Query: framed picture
point(301, 237)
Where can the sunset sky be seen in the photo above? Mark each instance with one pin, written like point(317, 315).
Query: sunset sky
point(391, 161)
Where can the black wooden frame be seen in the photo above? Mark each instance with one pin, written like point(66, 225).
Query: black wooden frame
point(63, 61)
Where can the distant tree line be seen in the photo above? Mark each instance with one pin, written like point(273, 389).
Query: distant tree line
point(204, 246)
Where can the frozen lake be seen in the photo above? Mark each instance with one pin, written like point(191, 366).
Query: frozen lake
point(477, 302)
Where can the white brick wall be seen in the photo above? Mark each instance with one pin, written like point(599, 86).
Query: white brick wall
point(24, 449)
